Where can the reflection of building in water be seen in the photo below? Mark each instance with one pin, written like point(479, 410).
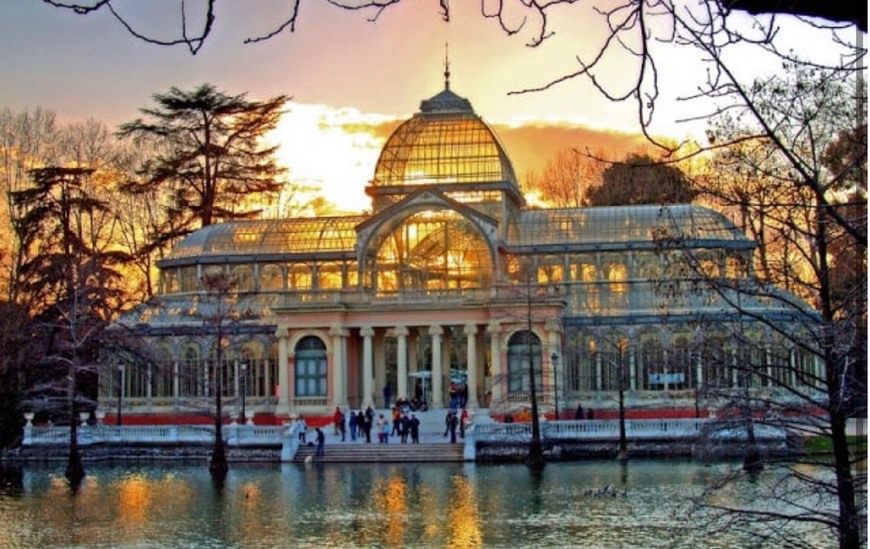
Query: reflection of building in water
point(451, 278)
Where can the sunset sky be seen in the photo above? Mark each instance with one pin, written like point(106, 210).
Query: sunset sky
point(350, 79)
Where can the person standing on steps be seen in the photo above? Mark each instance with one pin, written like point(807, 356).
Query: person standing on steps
point(448, 419)
point(388, 395)
point(415, 429)
point(321, 440)
point(336, 419)
point(451, 426)
point(463, 421)
point(352, 422)
point(301, 428)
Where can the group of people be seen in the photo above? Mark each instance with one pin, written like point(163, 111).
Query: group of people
point(458, 395)
point(401, 423)
point(455, 419)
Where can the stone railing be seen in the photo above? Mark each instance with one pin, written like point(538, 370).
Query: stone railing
point(635, 429)
point(234, 435)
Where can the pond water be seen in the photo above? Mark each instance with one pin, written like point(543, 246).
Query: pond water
point(361, 505)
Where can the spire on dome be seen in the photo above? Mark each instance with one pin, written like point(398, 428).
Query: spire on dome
point(446, 66)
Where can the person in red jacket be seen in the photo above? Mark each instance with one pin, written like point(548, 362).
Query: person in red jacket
point(337, 418)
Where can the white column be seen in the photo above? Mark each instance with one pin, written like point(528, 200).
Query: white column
point(368, 365)
point(553, 330)
point(176, 387)
point(471, 339)
point(437, 390)
point(599, 380)
point(632, 359)
point(338, 369)
point(494, 330)
point(267, 379)
point(402, 361)
point(283, 382)
point(149, 377)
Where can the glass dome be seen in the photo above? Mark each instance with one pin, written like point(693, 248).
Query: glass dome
point(444, 143)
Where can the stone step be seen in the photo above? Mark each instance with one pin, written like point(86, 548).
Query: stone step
point(383, 453)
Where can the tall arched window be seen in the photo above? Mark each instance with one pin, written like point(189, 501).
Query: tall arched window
point(310, 367)
point(521, 346)
point(191, 373)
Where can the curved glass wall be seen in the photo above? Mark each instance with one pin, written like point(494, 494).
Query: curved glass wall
point(431, 250)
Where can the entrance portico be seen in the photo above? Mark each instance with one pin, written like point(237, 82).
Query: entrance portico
point(365, 351)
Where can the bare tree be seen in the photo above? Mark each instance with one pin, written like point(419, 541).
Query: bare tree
point(788, 133)
point(567, 178)
point(73, 285)
point(220, 317)
point(637, 36)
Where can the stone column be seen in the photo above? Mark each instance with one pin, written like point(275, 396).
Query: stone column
point(471, 339)
point(338, 368)
point(632, 359)
point(176, 386)
point(367, 333)
point(494, 330)
point(553, 330)
point(268, 391)
point(437, 390)
point(402, 361)
point(283, 408)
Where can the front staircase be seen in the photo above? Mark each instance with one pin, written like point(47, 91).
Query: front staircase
point(375, 452)
point(434, 446)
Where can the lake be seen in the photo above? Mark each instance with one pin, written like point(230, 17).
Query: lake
point(596, 504)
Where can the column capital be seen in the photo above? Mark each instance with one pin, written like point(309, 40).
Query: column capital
point(282, 331)
point(470, 329)
point(338, 331)
point(367, 331)
point(401, 331)
point(552, 326)
point(436, 330)
point(493, 327)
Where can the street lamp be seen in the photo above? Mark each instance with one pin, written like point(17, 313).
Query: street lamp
point(120, 391)
point(554, 358)
point(244, 381)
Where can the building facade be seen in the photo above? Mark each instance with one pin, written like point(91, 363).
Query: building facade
point(451, 281)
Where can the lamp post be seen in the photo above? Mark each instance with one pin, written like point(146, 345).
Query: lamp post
point(244, 381)
point(120, 391)
point(554, 358)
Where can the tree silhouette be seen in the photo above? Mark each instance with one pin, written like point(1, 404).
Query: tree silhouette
point(212, 156)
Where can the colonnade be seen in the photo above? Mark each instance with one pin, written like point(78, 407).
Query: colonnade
point(357, 363)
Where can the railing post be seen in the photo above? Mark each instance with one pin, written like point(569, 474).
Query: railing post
point(27, 440)
point(469, 452)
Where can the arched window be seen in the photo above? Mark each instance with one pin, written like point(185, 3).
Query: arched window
point(244, 278)
point(191, 373)
point(162, 373)
point(652, 365)
point(271, 278)
point(521, 346)
point(432, 250)
point(310, 367)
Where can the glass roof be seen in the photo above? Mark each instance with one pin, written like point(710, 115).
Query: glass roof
point(273, 236)
point(446, 142)
point(619, 225)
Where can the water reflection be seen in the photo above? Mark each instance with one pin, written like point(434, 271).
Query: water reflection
point(423, 505)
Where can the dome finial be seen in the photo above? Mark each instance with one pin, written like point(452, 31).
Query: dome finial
point(446, 66)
